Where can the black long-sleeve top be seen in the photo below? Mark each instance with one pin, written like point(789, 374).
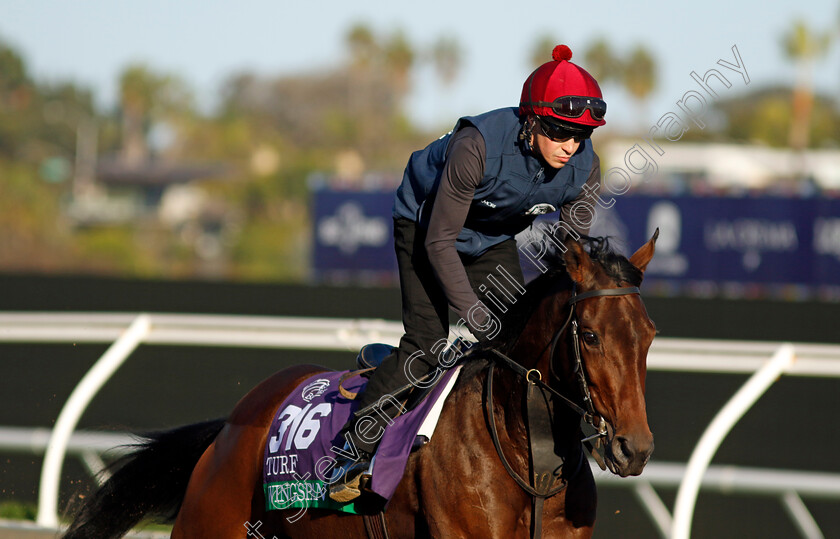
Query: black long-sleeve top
point(462, 173)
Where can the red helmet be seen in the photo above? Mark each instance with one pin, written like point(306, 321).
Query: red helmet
point(563, 93)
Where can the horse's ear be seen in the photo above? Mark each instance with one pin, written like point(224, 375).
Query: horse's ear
point(578, 264)
point(641, 257)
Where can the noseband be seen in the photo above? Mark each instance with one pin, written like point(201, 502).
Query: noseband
point(544, 464)
point(580, 371)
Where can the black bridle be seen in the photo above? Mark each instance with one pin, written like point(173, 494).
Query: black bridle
point(545, 481)
point(587, 411)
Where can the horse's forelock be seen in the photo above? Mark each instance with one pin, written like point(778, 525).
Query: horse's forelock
point(615, 265)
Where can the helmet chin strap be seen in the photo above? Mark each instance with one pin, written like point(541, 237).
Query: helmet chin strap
point(526, 136)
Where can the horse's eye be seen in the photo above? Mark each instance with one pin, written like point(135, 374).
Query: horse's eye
point(590, 338)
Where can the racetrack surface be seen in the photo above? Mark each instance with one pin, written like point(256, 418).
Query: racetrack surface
point(161, 387)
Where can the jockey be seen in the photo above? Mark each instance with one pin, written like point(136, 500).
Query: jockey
point(462, 200)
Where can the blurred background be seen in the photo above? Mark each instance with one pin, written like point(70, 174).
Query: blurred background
point(186, 141)
point(242, 158)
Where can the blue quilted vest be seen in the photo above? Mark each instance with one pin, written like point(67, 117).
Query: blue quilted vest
point(514, 190)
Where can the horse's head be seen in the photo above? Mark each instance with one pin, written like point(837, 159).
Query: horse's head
point(615, 333)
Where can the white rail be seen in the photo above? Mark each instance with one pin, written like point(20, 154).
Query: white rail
point(72, 411)
point(35, 441)
point(787, 485)
point(128, 330)
point(201, 330)
point(720, 426)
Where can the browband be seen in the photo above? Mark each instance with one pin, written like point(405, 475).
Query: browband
point(604, 292)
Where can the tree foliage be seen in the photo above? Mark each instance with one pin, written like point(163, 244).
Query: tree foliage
point(804, 47)
point(147, 97)
point(639, 73)
point(447, 58)
point(765, 116)
point(636, 72)
point(602, 62)
point(272, 133)
point(541, 50)
point(363, 45)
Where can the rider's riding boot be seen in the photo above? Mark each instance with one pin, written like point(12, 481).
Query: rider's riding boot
point(355, 477)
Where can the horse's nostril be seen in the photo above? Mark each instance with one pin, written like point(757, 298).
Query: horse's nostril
point(626, 448)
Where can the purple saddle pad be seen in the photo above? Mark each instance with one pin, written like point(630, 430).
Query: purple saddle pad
point(304, 443)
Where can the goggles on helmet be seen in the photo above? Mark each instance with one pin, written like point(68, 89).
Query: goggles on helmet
point(573, 106)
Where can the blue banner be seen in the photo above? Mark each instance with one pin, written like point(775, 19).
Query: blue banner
point(757, 240)
point(353, 236)
point(754, 242)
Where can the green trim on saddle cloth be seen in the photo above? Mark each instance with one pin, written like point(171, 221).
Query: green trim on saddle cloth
point(303, 494)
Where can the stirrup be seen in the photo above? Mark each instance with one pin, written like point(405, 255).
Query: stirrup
point(357, 476)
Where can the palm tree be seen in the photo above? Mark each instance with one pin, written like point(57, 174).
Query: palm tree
point(602, 63)
point(541, 51)
point(399, 59)
point(803, 46)
point(12, 72)
point(447, 58)
point(145, 95)
point(639, 76)
point(363, 46)
point(137, 88)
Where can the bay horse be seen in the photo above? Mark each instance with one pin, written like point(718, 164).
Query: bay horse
point(468, 480)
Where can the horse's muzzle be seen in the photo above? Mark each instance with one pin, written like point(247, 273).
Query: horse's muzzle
point(628, 454)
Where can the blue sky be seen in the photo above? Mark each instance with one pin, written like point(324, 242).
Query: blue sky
point(204, 41)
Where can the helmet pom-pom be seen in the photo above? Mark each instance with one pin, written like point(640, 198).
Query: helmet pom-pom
point(561, 52)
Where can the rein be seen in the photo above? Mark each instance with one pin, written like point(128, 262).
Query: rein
point(544, 462)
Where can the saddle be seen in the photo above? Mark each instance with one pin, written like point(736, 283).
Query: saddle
point(372, 355)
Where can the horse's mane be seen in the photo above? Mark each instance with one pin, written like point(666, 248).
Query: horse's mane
point(616, 266)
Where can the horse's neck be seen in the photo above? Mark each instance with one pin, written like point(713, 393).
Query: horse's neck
point(532, 348)
point(532, 351)
point(509, 410)
point(510, 414)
